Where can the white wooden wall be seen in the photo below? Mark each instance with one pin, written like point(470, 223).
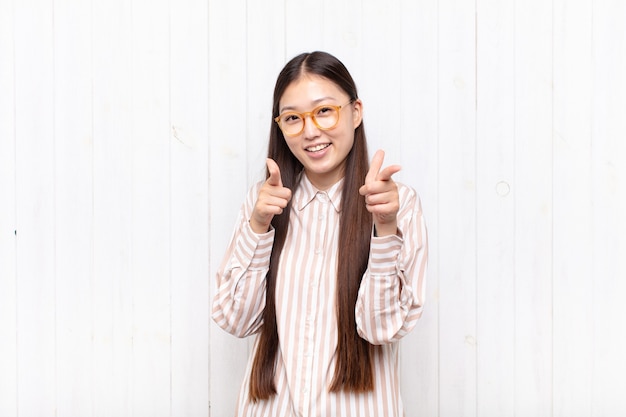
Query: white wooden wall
point(130, 131)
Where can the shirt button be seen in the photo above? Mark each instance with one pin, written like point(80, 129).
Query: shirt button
point(318, 251)
point(321, 217)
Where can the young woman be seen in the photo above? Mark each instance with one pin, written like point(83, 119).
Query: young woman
point(327, 261)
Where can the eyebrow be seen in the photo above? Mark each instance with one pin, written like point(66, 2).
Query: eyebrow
point(315, 103)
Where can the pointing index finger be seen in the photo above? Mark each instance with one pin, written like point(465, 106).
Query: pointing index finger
point(385, 174)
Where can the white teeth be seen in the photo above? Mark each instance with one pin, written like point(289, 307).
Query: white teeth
point(318, 147)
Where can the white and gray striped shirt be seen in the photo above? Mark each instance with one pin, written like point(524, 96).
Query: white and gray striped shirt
point(390, 301)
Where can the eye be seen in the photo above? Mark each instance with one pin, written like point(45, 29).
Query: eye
point(291, 118)
point(324, 111)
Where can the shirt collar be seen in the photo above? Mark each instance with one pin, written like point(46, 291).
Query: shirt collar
point(306, 192)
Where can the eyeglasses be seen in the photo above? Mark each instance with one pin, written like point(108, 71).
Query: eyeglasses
point(325, 117)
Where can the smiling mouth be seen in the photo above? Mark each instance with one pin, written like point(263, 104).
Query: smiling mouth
point(318, 147)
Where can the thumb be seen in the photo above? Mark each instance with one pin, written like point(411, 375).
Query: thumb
point(274, 173)
point(377, 163)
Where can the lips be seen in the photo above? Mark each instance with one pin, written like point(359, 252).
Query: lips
point(317, 148)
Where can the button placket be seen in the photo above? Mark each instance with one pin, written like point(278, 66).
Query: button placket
point(321, 205)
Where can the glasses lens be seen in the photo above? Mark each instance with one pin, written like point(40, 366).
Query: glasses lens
point(326, 117)
point(291, 123)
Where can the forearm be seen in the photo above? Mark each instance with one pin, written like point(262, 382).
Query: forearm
point(391, 295)
point(384, 299)
point(240, 298)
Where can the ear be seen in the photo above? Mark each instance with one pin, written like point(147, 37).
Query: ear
point(357, 112)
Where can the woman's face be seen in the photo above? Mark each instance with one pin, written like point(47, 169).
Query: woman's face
point(322, 152)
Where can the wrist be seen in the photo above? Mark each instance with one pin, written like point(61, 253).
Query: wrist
point(386, 229)
point(257, 227)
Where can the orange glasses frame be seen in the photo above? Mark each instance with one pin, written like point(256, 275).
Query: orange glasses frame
point(312, 115)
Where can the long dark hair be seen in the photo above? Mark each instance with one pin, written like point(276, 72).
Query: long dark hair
point(353, 371)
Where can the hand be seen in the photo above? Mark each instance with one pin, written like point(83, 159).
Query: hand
point(272, 199)
point(381, 195)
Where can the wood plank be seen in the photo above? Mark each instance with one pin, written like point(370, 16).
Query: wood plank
point(112, 291)
point(417, 144)
point(495, 207)
point(608, 185)
point(380, 99)
point(302, 24)
point(263, 64)
point(35, 163)
point(533, 208)
point(73, 207)
point(189, 205)
point(227, 181)
point(342, 34)
point(8, 270)
point(457, 209)
point(150, 208)
point(572, 216)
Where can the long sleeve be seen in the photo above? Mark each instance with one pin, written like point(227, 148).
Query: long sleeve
point(391, 295)
point(240, 298)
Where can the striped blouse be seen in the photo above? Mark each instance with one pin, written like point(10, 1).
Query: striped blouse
point(389, 303)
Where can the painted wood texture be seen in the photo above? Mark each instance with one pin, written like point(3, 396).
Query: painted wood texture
point(130, 132)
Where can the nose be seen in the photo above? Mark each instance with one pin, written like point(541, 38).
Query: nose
point(311, 131)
